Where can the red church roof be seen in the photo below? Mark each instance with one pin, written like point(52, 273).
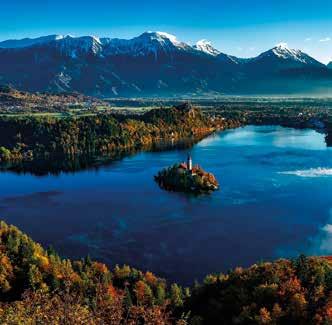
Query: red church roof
point(183, 166)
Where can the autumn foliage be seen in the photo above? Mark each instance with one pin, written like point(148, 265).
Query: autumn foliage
point(283, 292)
point(37, 286)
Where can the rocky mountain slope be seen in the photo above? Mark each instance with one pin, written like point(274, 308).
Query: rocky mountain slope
point(154, 64)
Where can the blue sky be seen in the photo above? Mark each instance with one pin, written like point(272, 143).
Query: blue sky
point(239, 27)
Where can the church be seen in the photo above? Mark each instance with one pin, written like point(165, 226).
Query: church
point(188, 166)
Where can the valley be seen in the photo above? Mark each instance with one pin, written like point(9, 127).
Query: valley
point(41, 129)
point(116, 214)
point(166, 163)
point(71, 164)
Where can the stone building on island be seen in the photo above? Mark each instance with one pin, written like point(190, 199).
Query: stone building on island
point(188, 166)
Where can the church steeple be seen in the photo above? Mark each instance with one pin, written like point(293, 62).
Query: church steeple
point(189, 162)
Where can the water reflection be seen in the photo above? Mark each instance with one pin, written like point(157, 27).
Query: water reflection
point(269, 205)
point(57, 164)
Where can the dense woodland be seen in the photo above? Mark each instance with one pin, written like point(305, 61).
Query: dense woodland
point(37, 286)
point(296, 112)
point(28, 138)
point(32, 137)
point(78, 137)
point(38, 136)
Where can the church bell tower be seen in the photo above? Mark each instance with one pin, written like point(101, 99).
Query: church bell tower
point(189, 162)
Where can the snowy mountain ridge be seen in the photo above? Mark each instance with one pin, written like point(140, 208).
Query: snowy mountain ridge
point(206, 47)
point(153, 64)
point(145, 44)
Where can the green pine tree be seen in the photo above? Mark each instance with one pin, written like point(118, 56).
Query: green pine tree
point(176, 295)
point(128, 302)
point(160, 294)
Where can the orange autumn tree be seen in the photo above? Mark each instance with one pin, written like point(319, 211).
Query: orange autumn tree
point(37, 286)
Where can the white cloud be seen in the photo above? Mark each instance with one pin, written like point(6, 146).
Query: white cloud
point(328, 228)
point(321, 244)
point(326, 39)
point(309, 39)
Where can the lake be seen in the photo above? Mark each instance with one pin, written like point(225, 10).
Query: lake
point(275, 201)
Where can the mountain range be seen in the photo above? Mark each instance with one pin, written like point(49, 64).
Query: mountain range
point(155, 64)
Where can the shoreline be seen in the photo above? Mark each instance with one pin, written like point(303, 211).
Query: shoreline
point(58, 164)
point(73, 144)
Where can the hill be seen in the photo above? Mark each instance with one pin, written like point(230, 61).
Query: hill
point(26, 138)
point(13, 101)
point(37, 286)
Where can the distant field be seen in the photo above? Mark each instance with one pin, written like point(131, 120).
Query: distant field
point(252, 103)
point(224, 102)
point(47, 114)
point(126, 106)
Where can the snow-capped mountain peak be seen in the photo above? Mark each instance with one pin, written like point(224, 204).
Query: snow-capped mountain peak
point(206, 47)
point(162, 36)
point(282, 45)
point(160, 45)
point(153, 64)
point(283, 53)
point(148, 43)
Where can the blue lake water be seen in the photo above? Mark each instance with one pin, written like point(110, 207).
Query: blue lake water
point(275, 201)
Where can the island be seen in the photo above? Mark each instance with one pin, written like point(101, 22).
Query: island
point(184, 177)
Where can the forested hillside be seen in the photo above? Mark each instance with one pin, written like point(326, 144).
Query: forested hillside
point(28, 138)
point(37, 286)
